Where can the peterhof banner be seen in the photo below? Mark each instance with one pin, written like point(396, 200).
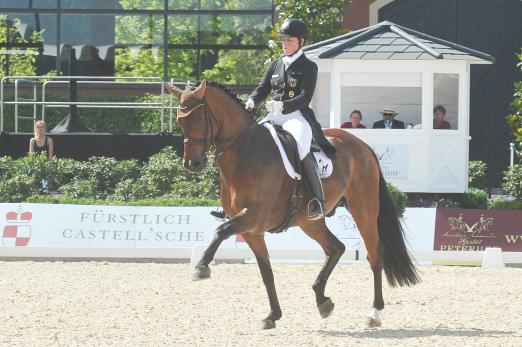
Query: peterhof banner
point(475, 230)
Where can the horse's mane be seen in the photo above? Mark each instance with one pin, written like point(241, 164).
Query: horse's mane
point(224, 89)
point(254, 114)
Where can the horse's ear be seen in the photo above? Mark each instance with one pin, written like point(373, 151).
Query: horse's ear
point(199, 93)
point(172, 89)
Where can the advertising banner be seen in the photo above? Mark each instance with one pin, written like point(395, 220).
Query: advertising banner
point(474, 230)
point(132, 227)
point(85, 226)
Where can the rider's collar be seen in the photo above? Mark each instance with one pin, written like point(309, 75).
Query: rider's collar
point(289, 59)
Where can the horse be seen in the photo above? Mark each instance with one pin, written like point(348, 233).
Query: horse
point(255, 193)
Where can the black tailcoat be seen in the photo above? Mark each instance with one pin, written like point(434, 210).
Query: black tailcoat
point(295, 88)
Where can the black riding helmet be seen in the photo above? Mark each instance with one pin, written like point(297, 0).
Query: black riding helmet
point(293, 27)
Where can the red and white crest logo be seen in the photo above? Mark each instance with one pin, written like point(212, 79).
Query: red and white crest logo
point(17, 231)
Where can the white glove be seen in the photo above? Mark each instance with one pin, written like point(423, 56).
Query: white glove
point(249, 104)
point(274, 107)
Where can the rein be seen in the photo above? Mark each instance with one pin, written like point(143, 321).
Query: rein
point(227, 143)
point(209, 120)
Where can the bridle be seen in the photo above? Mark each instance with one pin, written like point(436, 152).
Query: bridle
point(208, 145)
point(209, 140)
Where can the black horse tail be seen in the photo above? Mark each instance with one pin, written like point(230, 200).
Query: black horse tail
point(395, 258)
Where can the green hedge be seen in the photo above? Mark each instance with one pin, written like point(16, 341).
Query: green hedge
point(512, 183)
point(162, 180)
point(399, 198)
point(503, 204)
point(475, 198)
point(477, 174)
point(106, 179)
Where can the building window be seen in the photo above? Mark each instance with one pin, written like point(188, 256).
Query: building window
point(188, 39)
point(445, 101)
point(372, 92)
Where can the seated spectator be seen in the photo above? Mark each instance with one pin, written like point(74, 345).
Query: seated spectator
point(355, 121)
point(439, 112)
point(41, 142)
point(388, 121)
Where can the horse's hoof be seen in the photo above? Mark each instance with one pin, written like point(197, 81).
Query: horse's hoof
point(373, 323)
point(326, 308)
point(268, 324)
point(201, 273)
point(374, 318)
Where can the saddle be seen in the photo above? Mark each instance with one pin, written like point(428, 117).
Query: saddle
point(290, 147)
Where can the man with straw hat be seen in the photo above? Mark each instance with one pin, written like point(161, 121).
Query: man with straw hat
point(388, 121)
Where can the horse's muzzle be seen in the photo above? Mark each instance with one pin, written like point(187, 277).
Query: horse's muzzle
point(196, 165)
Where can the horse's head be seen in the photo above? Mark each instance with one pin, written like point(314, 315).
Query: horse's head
point(196, 123)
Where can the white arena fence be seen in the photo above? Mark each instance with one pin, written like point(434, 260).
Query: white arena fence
point(182, 233)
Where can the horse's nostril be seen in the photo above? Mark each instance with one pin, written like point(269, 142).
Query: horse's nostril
point(195, 165)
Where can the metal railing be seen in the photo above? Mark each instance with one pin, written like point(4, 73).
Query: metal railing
point(96, 80)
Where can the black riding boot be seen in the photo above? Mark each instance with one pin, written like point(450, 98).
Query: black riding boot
point(310, 171)
point(219, 213)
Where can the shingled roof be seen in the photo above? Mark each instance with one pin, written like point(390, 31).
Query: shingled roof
point(389, 41)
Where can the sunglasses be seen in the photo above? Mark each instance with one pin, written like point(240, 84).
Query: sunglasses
point(388, 114)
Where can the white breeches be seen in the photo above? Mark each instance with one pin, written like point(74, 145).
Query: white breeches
point(296, 125)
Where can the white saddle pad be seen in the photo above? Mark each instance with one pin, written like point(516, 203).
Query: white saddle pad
point(323, 162)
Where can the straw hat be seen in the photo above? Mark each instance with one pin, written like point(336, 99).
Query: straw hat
point(389, 109)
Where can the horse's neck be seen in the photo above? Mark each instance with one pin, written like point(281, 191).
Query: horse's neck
point(247, 153)
point(233, 117)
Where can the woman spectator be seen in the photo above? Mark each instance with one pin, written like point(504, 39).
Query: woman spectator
point(41, 142)
point(355, 121)
point(439, 112)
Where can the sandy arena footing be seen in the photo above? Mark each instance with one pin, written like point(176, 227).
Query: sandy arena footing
point(150, 304)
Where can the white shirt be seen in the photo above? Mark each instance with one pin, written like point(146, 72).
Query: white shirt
point(287, 61)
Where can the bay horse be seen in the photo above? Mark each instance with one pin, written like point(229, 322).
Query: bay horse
point(255, 193)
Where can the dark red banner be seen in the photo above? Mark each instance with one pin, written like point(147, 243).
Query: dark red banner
point(474, 230)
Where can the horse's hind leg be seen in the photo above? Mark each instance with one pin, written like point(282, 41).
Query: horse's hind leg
point(223, 232)
point(366, 219)
point(334, 249)
point(258, 246)
point(372, 246)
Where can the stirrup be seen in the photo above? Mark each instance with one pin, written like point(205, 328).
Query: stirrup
point(315, 209)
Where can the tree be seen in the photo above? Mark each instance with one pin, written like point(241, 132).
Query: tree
point(515, 119)
point(323, 17)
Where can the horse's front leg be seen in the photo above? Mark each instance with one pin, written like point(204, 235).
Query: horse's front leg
point(334, 249)
point(258, 246)
point(223, 232)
